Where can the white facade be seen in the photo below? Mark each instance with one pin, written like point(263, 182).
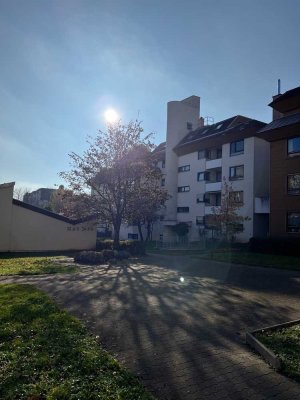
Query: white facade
point(196, 196)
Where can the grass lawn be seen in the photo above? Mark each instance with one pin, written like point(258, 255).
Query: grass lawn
point(262, 260)
point(285, 343)
point(236, 256)
point(45, 354)
point(14, 265)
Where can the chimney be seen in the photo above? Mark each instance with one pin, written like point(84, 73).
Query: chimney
point(201, 122)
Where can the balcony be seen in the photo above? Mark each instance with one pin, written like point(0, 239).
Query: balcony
point(262, 205)
point(216, 163)
point(213, 186)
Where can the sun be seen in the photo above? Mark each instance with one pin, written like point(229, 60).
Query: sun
point(111, 116)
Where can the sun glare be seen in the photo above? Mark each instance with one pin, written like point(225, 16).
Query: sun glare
point(111, 116)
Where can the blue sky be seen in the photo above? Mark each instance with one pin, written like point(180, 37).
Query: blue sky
point(64, 62)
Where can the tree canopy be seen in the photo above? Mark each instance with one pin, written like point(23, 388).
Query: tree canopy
point(118, 170)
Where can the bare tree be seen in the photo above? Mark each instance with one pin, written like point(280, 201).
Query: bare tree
point(19, 192)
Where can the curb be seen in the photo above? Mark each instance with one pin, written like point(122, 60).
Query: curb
point(266, 353)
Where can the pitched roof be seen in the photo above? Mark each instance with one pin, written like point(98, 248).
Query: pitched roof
point(281, 122)
point(221, 128)
point(160, 147)
point(287, 95)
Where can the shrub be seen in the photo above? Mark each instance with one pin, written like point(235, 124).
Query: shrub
point(108, 254)
point(89, 257)
point(289, 246)
point(104, 245)
point(121, 254)
point(135, 248)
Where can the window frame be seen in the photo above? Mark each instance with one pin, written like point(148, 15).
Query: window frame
point(295, 192)
point(291, 153)
point(235, 152)
point(297, 231)
point(235, 177)
point(233, 195)
point(183, 210)
point(204, 176)
point(202, 219)
point(183, 189)
point(163, 182)
point(184, 168)
point(202, 151)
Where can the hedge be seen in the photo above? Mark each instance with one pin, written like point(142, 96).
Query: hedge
point(288, 246)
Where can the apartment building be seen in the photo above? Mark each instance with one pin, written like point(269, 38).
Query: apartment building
point(283, 133)
point(196, 158)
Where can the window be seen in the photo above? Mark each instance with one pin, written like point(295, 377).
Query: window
point(182, 189)
point(199, 220)
point(201, 154)
point(163, 164)
point(183, 209)
point(237, 197)
point(293, 184)
point(163, 182)
point(237, 147)
point(133, 236)
point(293, 222)
point(213, 199)
point(200, 198)
point(219, 176)
point(236, 172)
point(184, 168)
point(294, 145)
point(219, 126)
point(201, 176)
point(189, 126)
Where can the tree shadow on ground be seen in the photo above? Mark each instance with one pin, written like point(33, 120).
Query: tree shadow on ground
point(183, 337)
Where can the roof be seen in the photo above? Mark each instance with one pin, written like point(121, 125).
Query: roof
point(159, 153)
point(237, 123)
point(282, 122)
point(50, 213)
point(161, 147)
point(287, 95)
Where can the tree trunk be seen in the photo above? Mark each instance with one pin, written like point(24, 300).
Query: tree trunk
point(140, 231)
point(117, 226)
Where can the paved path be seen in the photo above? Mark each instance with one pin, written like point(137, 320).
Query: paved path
point(184, 339)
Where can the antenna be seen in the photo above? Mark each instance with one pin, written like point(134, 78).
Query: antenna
point(208, 120)
point(278, 85)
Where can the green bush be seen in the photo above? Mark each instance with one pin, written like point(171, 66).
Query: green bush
point(89, 257)
point(108, 254)
point(288, 246)
point(134, 247)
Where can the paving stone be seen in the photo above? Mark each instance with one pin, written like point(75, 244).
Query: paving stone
point(184, 340)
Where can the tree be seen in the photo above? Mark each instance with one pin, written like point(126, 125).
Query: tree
point(181, 229)
point(19, 192)
point(225, 218)
point(113, 168)
point(148, 199)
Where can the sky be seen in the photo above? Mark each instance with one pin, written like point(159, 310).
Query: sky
point(64, 62)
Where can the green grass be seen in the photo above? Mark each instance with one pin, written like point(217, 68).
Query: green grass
point(45, 354)
point(236, 256)
point(12, 265)
point(256, 259)
point(285, 343)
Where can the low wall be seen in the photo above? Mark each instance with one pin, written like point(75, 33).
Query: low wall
point(25, 228)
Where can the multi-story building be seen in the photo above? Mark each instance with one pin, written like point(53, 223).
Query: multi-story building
point(39, 198)
point(197, 158)
point(283, 133)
